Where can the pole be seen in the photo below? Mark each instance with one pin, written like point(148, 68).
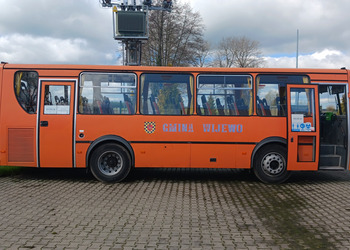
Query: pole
point(297, 55)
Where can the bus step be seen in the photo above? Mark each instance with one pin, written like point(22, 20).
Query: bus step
point(330, 160)
point(328, 149)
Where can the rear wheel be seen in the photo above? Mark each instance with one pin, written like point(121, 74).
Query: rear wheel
point(270, 164)
point(110, 163)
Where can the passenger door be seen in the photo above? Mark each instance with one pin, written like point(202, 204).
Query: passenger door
point(55, 123)
point(303, 127)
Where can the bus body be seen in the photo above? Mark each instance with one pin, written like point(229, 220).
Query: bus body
point(113, 118)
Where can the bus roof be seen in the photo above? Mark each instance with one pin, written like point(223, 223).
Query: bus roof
point(169, 69)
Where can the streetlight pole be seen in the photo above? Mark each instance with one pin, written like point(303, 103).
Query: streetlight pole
point(297, 54)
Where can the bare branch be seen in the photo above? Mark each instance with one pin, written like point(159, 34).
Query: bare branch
point(238, 52)
point(176, 38)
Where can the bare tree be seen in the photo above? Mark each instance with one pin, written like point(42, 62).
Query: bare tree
point(238, 52)
point(202, 55)
point(174, 37)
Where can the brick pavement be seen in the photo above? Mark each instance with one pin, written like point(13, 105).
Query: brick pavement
point(174, 209)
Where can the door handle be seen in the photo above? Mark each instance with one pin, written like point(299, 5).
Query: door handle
point(292, 139)
point(44, 123)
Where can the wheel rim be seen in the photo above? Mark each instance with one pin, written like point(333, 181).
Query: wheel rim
point(110, 163)
point(273, 164)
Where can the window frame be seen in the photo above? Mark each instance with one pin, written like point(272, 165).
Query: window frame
point(280, 84)
point(190, 107)
point(343, 84)
point(251, 88)
point(108, 73)
point(37, 90)
point(67, 106)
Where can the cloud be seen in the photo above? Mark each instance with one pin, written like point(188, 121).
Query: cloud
point(17, 48)
point(274, 23)
point(326, 58)
point(65, 31)
point(64, 18)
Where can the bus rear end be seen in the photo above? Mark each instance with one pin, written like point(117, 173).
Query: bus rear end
point(2, 64)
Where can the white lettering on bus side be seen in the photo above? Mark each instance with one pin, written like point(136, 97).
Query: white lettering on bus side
point(207, 128)
point(178, 127)
point(223, 128)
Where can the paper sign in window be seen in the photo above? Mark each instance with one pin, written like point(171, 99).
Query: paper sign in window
point(56, 110)
point(297, 121)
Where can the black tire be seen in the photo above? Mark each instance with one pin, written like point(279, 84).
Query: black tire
point(110, 163)
point(270, 164)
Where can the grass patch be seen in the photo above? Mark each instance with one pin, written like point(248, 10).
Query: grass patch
point(8, 170)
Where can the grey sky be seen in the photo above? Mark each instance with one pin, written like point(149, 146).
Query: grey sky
point(322, 25)
point(80, 31)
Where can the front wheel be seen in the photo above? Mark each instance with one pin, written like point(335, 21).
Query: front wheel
point(110, 163)
point(270, 165)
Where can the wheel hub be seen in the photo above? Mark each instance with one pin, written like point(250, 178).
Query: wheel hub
point(273, 164)
point(110, 163)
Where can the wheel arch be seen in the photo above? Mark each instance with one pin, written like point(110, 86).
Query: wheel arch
point(265, 142)
point(110, 139)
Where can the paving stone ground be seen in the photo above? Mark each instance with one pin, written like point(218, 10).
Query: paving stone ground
point(174, 209)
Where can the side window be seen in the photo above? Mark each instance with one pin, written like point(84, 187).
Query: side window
point(57, 100)
point(26, 90)
point(107, 93)
point(302, 101)
point(333, 100)
point(166, 94)
point(303, 109)
point(224, 95)
point(271, 93)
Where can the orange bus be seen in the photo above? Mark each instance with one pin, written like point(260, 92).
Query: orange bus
point(111, 119)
